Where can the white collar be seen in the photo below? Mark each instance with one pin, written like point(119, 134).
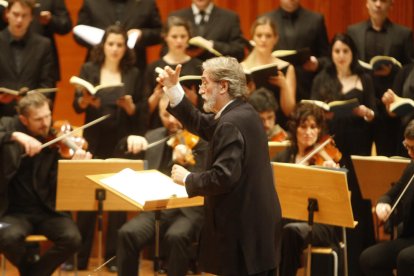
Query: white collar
point(207, 10)
point(218, 114)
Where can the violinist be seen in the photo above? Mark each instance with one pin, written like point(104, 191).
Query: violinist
point(179, 226)
point(306, 126)
point(28, 176)
point(265, 103)
point(383, 258)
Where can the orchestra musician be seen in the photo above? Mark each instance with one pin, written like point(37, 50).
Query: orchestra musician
point(28, 176)
point(265, 104)
point(383, 258)
point(307, 126)
point(179, 227)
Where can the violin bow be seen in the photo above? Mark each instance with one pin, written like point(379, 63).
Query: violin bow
point(399, 198)
point(62, 137)
point(314, 151)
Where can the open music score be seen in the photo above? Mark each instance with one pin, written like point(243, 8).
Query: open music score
point(147, 190)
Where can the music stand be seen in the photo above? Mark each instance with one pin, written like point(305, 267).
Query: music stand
point(276, 147)
point(300, 187)
point(375, 175)
point(148, 190)
point(77, 193)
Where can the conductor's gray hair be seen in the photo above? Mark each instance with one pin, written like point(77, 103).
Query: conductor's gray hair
point(227, 69)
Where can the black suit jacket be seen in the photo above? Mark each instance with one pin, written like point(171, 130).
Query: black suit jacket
point(223, 27)
point(44, 166)
point(406, 205)
point(242, 228)
point(309, 31)
point(37, 66)
point(138, 14)
point(61, 23)
point(399, 42)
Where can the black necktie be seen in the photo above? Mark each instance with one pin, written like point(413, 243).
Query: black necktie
point(202, 23)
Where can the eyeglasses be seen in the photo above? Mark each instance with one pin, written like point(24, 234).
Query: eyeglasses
point(203, 85)
point(408, 147)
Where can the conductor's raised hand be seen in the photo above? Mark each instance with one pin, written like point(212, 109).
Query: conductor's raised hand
point(169, 77)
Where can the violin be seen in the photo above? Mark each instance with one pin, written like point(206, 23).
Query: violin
point(323, 151)
point(71, 143)
point(277, 135)
point(184, 141)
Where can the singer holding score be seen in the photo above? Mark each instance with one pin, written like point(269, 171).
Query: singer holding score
point(242, 229)
point(383, 258)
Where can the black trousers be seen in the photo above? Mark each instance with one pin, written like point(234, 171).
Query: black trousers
point(382, 258)
point(177, 232)
point(294, 241)
point(59, 229)
point(86, 222)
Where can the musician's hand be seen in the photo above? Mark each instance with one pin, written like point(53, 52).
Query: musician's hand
point(388, 97)
point(384, 71)
point(31, 145)
point(136, 144)
point(279, 80)
point(311, 65)
point(87, 99)
point(383, 210)
point(330, 164)
point(45, 17)
point(181, 154)
point(178, 173)
point(169, 77)
point(126, 102)
point(6, 98)
point(80, 154)
point(364, 112)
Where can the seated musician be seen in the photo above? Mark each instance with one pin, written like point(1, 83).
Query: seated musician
point(307, 126)
point(265, 103)
point(28, 176)
point(383, 258)
point(178, 227)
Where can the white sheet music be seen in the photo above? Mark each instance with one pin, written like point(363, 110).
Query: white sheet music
point(144, 186)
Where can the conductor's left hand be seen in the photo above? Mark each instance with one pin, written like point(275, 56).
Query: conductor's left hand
point(178, 173)
point(169, 77)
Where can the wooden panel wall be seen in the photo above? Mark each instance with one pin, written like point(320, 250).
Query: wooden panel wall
point(338, 15)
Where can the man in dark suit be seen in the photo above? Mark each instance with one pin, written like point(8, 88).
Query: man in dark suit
point(242, 230)
point(380, 36)
point(53, 18)
point(179, 226)
point(26, 59)
point(301, 28)
point(398, 254)
point(28, 176)
point(220, 27)
point(50, 17)
point(136, 16)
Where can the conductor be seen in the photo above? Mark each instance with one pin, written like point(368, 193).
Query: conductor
point(242, 230)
